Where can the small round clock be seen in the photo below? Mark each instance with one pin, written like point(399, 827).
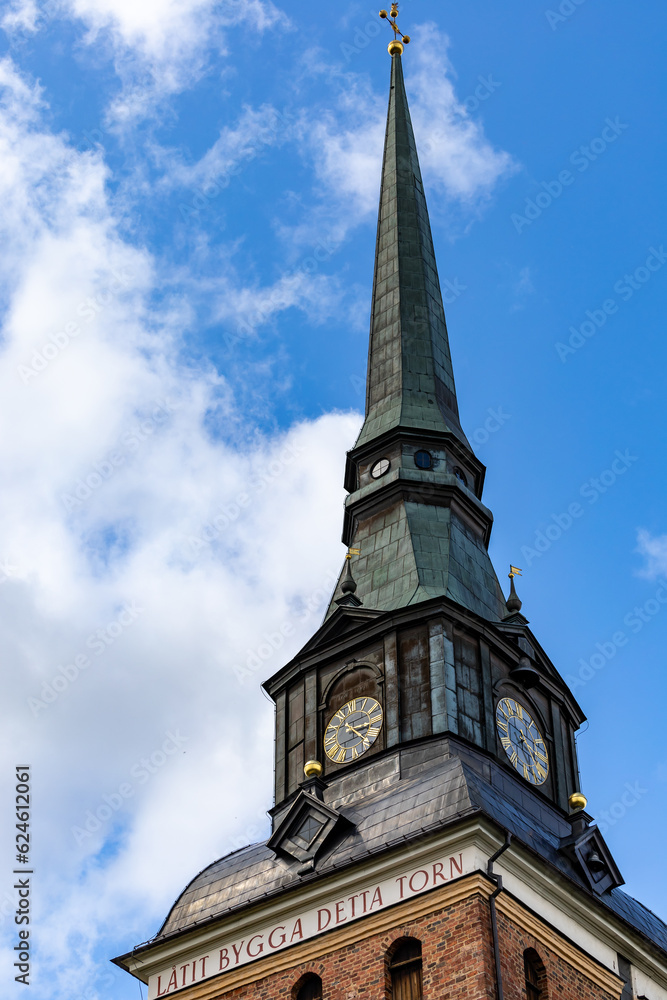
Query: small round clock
point(352, 730)
point(522, 741)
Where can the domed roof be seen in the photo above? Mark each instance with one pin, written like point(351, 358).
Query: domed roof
point(406, 809)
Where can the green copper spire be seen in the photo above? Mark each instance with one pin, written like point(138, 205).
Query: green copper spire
point(414, 511)
point(410, 377)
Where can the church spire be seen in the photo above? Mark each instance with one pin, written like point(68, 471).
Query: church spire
point(414, 509)
point(410, 376)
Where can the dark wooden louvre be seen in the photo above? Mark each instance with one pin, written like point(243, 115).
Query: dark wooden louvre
point(406, 971)
point(414, 683)
point(295, 736)
point(310, 989)
point(533, 976)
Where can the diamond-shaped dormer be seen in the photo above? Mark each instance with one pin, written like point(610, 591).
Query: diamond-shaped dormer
point(308, 826)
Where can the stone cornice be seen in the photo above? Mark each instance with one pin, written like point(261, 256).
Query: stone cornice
point(551, 894)
point(416, 436)
point(410, 488)
point(313, 654)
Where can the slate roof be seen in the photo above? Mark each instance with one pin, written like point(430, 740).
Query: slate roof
point(410, 376)
point(415, 552)
point(409, 809)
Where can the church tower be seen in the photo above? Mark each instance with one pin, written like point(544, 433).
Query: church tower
point(429, 836)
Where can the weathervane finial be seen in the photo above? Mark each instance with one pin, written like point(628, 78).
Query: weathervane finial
point(395, 48)
point(513, 601)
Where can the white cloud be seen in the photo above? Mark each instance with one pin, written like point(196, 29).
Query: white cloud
point(245, 309)
point(115, 493)
point(455, 154)
point(345, 144)
point(159, 47)
point(345, 148)
point(253, 132)
point(20, 15)
point(654, 550)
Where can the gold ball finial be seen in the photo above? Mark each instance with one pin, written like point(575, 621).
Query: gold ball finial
point(312, 769)
point(577, 801)
point(396, 47)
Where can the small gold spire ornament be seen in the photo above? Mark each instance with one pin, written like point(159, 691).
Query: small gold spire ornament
point(513, 602)
point(395, 48)
point(352, 552)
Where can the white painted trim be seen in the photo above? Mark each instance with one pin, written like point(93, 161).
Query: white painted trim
point(593, 928)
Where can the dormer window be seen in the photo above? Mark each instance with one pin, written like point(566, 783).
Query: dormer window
point(308, 831)
point(460, 475)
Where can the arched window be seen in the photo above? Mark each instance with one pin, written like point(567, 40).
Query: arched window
point(308, 988)
point(536, 977)
point(405, 966)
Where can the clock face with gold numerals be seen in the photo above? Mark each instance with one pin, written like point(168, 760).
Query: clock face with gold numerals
point(522, 741)
point(352, 730)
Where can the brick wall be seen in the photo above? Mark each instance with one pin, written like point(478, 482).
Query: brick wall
point(457, 959)
point(562, 980)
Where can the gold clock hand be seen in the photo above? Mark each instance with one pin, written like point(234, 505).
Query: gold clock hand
point(355, 731)
point(528, 747)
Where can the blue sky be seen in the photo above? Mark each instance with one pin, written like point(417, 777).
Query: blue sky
point(190, 195)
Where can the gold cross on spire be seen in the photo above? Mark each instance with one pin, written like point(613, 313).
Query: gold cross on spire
point(395, 48)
